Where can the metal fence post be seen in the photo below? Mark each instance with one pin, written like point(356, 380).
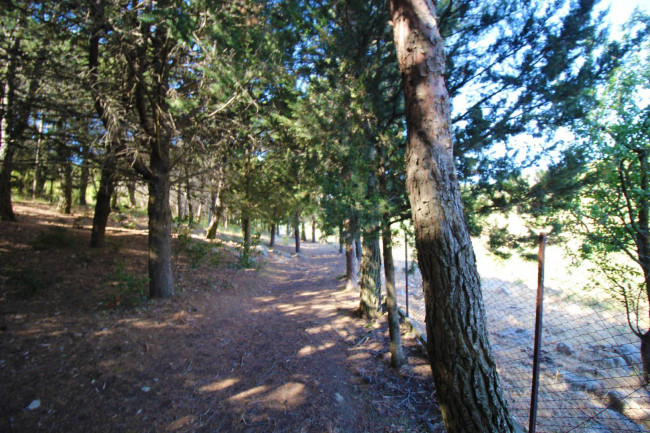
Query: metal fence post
point(538, 334)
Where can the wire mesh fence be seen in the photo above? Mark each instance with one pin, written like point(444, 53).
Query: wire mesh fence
point(591, 374)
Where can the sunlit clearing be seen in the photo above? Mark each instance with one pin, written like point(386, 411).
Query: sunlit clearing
point(219, 385)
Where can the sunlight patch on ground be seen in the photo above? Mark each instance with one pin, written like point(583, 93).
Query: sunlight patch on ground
point(239, 398)
point(219, 385)
point(290, 394)
point(310, 350)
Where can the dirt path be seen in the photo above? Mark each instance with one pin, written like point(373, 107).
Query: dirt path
point(276, 350)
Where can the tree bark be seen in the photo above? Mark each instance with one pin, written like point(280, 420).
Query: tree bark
point(370, 305)
point(272, 232)
point(246, 231)
point(461, 358)
point(39, 180)
point(397, 358)
point(85, 174)
point(161, 283)
point(296, 231)
point(131, 187)
point(313, 230)
point(303, 234)
point(351, 262)
point(103, 202)
point(65, 195)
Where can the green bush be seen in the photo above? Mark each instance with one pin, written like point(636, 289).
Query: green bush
point(132, 290)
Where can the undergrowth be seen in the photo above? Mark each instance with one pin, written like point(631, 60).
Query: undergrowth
point(131, 290)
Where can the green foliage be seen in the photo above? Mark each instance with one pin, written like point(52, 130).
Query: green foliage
point(131, 290)
point(53, 237)
point(196, 250)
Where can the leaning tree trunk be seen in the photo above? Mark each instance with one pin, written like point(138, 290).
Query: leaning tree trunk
point(397, 358)
point(216, 207)
point(460, 354)
point(103, 202)
point(370, 305)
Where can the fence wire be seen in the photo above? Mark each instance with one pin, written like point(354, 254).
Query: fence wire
point(591, 375)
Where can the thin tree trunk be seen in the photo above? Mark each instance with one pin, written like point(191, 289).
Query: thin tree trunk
point(130, 187)
point(65, 195)
point(179, 203)
point(188, 195)
point(103, 201)
point(351, 261)
point(246, 229)
point(296, 231)
point(39, 181)
point(313, 230)
point(85, 174)
point(370, 305)
point(272, 232)
point(358, 245)
point(115, 198)
point(460, 354)
point(397, 358)
point(303, 235)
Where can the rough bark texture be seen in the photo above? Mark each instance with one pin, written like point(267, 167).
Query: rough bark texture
point(161, 283)
point(103, 203)
point(370, 305)
point(461, 357)
point(397, 358)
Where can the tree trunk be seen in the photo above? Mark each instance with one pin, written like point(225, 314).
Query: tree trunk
point(115, 198)
point(39, 180)
point(103, 202)
point(85, 174)
point(351, 261)
point(65, 195)
point(358, 245)
point(188, 195)
point(370, 306)
point(313, 230)
point(246, 231)
point(179, 203)
point(161, 283)
point(296, 231)
point(272, 232)
point(397, 358)
point(303, 234)
point(130, 187)
point(461, 358)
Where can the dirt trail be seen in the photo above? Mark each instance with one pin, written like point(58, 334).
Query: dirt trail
point(276, 350)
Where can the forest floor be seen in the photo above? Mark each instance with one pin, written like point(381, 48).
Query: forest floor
point(272, 349)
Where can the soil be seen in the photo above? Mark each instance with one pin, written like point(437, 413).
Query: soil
point(278, 348)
